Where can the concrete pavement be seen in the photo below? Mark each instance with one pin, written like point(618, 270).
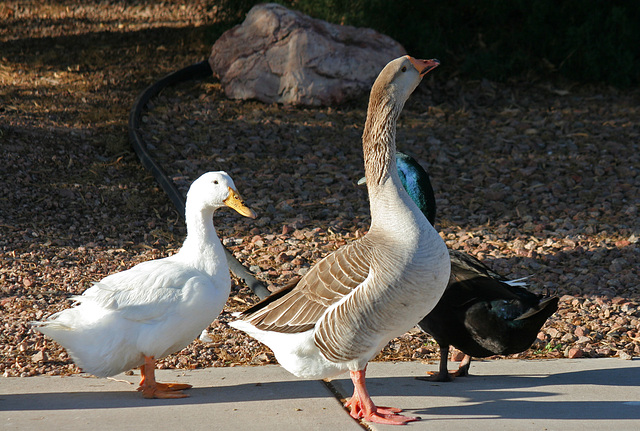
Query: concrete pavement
point(564, 394)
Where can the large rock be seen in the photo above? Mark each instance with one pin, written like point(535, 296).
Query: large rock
point(279, 55)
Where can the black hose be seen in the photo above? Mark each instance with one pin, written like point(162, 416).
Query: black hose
point(195, 71)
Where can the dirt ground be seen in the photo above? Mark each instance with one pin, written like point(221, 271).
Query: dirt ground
point(535, 178)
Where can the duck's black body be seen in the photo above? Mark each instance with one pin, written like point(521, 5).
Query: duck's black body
point(481, 313)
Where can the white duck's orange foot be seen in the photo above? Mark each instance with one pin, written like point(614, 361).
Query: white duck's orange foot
point(152, 389)
point(173, 386)
point(157, 392)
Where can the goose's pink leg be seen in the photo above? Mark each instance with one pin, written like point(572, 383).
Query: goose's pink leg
point(362, 406)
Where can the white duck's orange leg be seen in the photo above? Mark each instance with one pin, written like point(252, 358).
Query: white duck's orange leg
point(152, 389)
point(362, 406)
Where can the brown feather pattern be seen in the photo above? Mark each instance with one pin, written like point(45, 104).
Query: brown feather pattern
point(325, 284)
point(365, 309)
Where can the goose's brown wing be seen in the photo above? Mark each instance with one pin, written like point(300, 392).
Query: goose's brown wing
point(298, 308)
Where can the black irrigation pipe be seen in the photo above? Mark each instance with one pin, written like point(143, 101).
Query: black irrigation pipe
point(195, 71)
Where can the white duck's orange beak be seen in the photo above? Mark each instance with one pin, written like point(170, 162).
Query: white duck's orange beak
point(424, 66)
point(235, 202)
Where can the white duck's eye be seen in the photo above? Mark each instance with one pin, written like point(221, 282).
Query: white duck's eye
point(404, 69)
point(215, 181)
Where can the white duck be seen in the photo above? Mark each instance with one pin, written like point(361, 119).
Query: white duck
point(350, 304)
point(156, 308)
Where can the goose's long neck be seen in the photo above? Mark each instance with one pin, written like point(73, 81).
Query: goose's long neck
point(202, 248)
point(386, 194)
point(379, 142)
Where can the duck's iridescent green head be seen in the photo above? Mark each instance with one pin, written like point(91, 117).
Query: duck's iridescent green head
point(417, 184)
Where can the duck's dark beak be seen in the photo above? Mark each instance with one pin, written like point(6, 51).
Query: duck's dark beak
point(424, 66)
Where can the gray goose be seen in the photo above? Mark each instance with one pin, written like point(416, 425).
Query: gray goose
point(352, 302)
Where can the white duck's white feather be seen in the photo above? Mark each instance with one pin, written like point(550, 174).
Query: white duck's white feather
point(157, 307)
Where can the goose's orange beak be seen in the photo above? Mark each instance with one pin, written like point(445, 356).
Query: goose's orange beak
point(424, 66)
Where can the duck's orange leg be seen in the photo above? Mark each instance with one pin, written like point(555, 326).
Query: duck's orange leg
point(152, 389)
point(362, 406)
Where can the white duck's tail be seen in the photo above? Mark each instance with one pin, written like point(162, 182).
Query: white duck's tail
point(94, 348)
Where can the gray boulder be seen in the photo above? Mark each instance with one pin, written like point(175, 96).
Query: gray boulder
point(284, 56)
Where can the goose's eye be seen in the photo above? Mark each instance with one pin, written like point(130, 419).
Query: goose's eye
point(215, 181)
point(404, 68)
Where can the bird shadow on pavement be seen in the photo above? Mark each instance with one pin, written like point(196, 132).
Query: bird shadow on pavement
point(569, 395)
point(85, 397)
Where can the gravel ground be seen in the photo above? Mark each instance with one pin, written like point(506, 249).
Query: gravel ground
point(534, 178)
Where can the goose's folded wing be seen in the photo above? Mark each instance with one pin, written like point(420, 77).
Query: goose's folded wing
point(298, 308)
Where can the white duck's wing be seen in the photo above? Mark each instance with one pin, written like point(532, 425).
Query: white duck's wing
point(145, 292)
point(297, 308)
